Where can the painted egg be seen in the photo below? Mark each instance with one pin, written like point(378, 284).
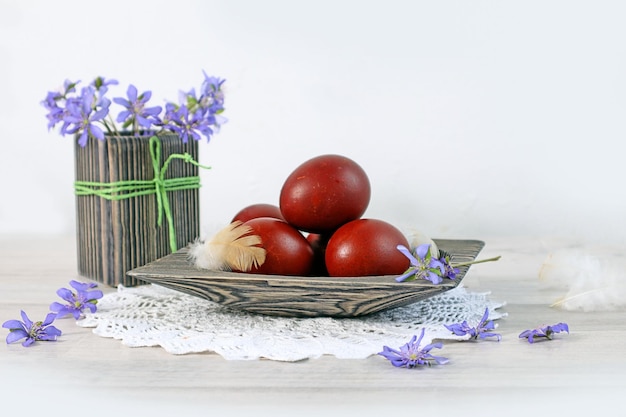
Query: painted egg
point(287, 250)
point(258, 210)
point(324, 193)
point(318, 242)
point(365, 247)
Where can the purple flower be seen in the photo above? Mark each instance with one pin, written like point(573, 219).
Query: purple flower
point(82, 113)
point(200, 115)
point(211, 94)
point(136, 113)
point(32, 331)
point(187, 124)
point(545, 331)
point(410, 355)
point(449, 271)
point(423, 265)
point(57, 113)
point(102, 85)
point(77, 301)
point(69, 87)
point(482, 330)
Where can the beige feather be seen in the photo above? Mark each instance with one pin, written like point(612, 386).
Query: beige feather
point(593, 280)
point(232, 248)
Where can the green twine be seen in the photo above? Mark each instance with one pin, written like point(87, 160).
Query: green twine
point(120, 190)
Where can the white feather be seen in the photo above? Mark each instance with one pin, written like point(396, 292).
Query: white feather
point(591, 280)
point(231, 248)
point(418, 238)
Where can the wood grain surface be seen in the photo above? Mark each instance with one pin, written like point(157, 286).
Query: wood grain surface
point(116, 236)
point(298, 296)
point(573, 375)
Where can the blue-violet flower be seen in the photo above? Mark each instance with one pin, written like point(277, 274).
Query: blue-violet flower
point(423, 265)
point(482, 330)
point(77, 300)
point(32, 331)
point(431, 264)
point(188, 125)
point(449, 270)
point(83, 114)
point(136, 114)
point(544, 332)
point(410, 355)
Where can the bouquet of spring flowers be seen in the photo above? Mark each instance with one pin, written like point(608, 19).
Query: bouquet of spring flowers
point(86, 113)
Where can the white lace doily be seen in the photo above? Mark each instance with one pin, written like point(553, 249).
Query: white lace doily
point(150, 315)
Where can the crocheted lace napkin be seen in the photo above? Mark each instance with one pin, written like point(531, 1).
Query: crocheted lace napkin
point(150, 315)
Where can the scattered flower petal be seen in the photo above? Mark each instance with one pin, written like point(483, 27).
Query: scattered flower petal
point(77, 301)
point(410, 355)
point(31, 331)
point(544, 332)
point(482, 329)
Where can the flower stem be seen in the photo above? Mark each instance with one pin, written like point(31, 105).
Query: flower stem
point(476, 262)
point(110, 126)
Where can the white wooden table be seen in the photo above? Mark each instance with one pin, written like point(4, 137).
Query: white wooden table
point(575, 374)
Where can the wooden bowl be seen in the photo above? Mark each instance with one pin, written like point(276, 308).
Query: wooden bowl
point(302, 296)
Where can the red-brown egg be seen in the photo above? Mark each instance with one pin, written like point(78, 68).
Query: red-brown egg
point(287, 250)
point(365, 247)
point(318, 242)
point(324, 193)
point(258, 210)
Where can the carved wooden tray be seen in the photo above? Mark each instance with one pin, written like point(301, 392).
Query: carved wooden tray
point(299, 296)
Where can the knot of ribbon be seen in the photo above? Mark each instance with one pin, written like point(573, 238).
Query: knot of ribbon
point(159, 185)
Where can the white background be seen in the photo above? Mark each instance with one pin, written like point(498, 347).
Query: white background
point(471, 118)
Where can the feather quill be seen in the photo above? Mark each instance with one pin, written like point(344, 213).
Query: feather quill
point(232, 248)
point(592, 281)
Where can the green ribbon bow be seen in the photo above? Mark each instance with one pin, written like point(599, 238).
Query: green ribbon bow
point(119, 190)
